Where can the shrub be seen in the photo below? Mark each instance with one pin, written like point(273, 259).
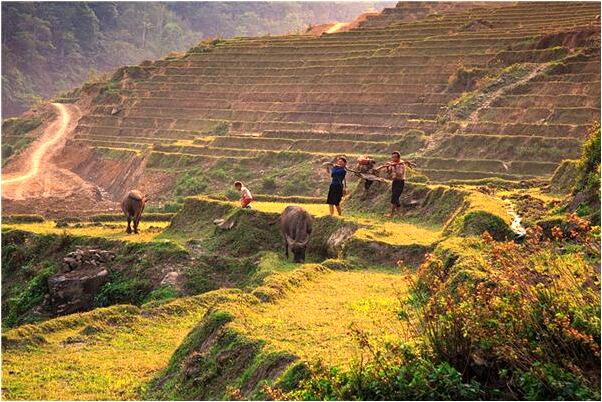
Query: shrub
point(197, 280)
point(397, 373)
point(549, 382)
point(121, 289)
point(296, 187)
point(153, 253)
point(190, 183)
point(502, 310)
point(231, 194)
point(221, 128)
point(564, 177)
point(15, 310)
point(588, 168)
point(167, 208)
point(268, 185)
point(204, 46)
point(20, 125)
point(474, 223)
point(465, 79)
point(165, 292)
point(23, 218)
point(7, 150)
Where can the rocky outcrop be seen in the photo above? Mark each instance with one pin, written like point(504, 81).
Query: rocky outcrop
point(83, 273)
point(334, 243)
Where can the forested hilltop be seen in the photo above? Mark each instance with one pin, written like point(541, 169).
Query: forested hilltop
point(50, 46)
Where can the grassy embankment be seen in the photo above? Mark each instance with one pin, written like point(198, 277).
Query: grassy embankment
point(287, 312)
point(113, 353)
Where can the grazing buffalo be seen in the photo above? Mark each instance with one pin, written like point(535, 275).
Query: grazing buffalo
point(295, 224)
point(132, 206)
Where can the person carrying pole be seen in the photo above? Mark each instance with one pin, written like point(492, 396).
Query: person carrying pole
point(397, 171)
point(338, 186)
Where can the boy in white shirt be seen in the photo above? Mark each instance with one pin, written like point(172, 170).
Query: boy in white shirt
point(245, 195)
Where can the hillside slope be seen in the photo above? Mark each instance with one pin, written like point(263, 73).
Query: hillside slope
point(469, 91)
point(498, 91)
point(53, 47)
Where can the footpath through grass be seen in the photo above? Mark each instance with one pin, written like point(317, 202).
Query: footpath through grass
point(113, 353)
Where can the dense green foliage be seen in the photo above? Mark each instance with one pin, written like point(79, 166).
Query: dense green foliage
point(123, 290)
point(13, 131)
point(390, 379)
point(190, 183)
point(563, 180)
point(20, 126)
point(589, 164)
point(23, 218)
point(51, 46)
point(27, 262)
point(16, 310)
point(586, 192)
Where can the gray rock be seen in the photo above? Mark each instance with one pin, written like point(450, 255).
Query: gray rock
point(334, 244)
point(75, 291)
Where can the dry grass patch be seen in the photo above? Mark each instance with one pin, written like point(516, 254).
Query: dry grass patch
point(109, 230)
point(313, 321)
point(96, 360)
point(391, 231)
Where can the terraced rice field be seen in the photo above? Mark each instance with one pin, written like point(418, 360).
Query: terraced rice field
point(395, 232)
point(371, 90)
point(503, 90)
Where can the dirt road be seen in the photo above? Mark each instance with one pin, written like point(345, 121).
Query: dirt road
point(33, 183)
point(46, 148)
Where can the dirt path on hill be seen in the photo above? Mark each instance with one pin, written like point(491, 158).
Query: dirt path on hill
point(337, 27)
point(442, 133)
point(33, 183)
point(474, 116)
point(45, 148)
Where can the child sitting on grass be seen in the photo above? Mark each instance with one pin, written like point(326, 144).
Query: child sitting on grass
point(245, 195)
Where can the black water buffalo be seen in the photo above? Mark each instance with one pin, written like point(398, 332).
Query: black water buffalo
point(295, 224)
point(132, 206)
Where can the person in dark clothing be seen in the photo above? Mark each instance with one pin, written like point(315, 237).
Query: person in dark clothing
point(338, 186)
